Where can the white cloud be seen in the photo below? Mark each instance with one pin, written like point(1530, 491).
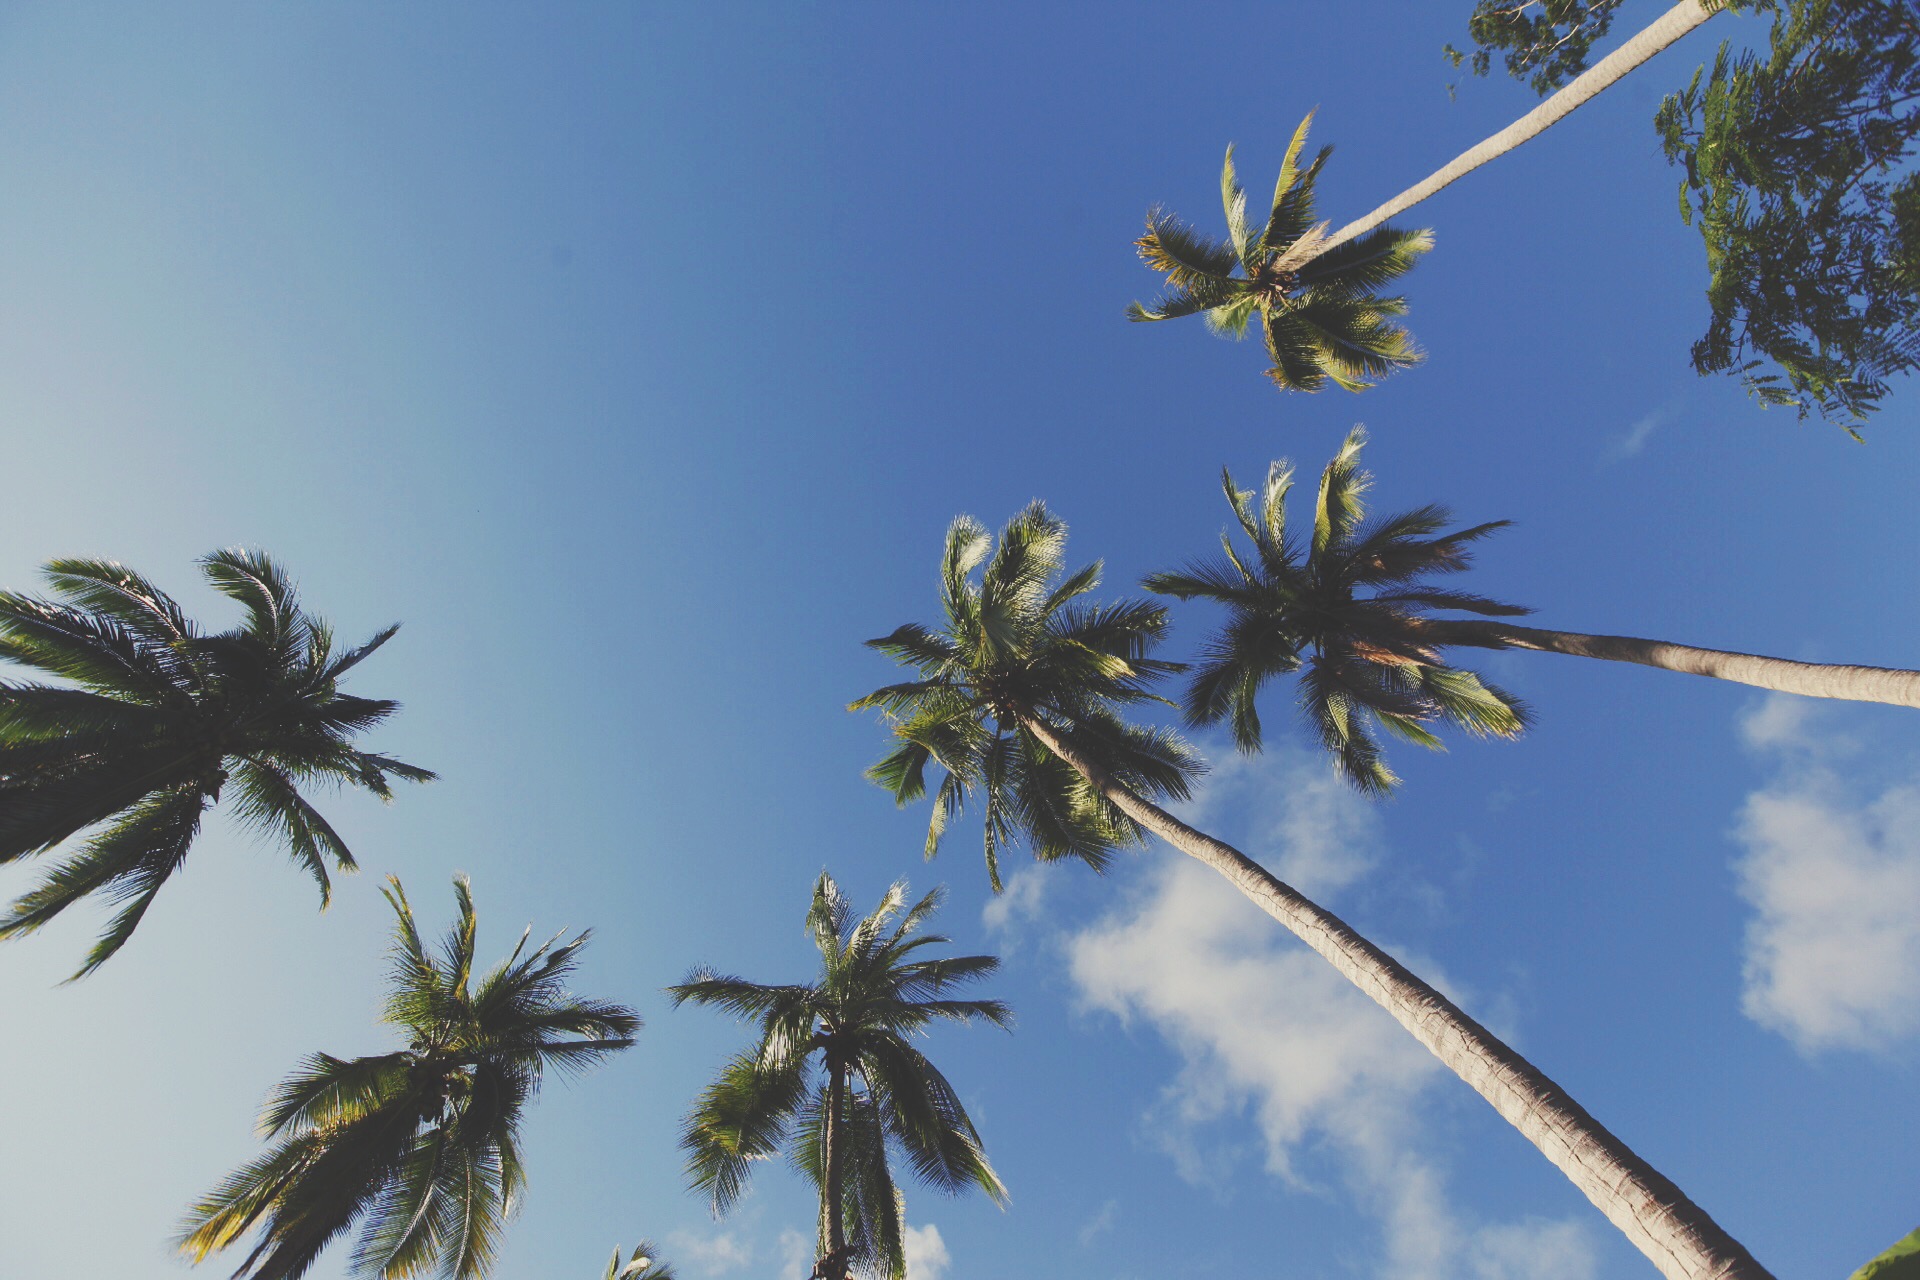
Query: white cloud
point(1779, 721)
point(1257, 1022)
point(1290, 809)
point(1020, 900)
point(796, 1254)
point(1634, 439)
point(714, 1254)
point(1100, 1223)
point(1530, 1250)
point(927, 1257)
point(1268, 1030)
point(1833, 951)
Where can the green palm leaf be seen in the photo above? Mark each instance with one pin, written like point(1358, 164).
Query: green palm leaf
point(1050, 655)
point(418, 1149)
point(834, 1078)
point(155, 711)
point(1320, 314)
point(1347, 613)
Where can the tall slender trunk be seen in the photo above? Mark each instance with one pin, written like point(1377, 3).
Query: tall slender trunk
point(1674, 1233)
point(833, 1230)
point(1813, 679)
point(1663, 31)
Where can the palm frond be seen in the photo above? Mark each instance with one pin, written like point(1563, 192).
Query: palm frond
point(1185, 256)
point(417, 1149)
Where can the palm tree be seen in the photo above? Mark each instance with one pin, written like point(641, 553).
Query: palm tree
point(156, 718)
point(1314, 292)
point(1582, 89)
point(643, 1265)
point(1022, 665)
point(1351, 610)
point(871, 1088)
point(1318, 310)
point(422, 1145)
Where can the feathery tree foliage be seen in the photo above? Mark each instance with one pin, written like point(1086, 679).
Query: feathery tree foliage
point(1352, 612)
point(1544, 42)
point(1799, 178)
point(421, 1145)
point(1900, 1262)
point(836, 1079)
point(1343, 607)
point(156, 719)
point(1019, 650)
point(1318, 307)
point(644, 1264)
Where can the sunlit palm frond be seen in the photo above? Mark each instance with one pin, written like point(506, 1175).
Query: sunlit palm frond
point(1024, 643)
point(840, 1089)
point(1319, 309)
point(1348, 612)
point(417, 1150)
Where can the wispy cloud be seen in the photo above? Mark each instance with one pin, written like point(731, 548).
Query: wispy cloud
point(1267, 1029)
point(715, 1254)
point(1289, 806)
point(1833, 951)
point(1631, 442)
point(796, 1254)
point(1100, 1223)
point(1019, 902)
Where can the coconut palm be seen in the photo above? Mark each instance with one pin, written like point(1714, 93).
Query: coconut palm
point(836, 1079)
point(156, 719)
point(643, 1265)
point(1314, 292)
point(420, 1146)
point(1024, 664)
point(1318, 309)
point(1022, 652)
point(1350, 609)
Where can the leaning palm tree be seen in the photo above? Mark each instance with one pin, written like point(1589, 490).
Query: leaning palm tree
point(1582, 89)
point(644, 1264)
point(1350, 609)
point(420, 1146)
point(835, 1077)
point(1315, 292)
point(1319, 311)
point(1024, 666)
point(156, 718)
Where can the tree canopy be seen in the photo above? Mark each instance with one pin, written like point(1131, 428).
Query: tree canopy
point(1798, 176)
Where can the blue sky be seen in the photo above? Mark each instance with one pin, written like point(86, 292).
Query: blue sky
point(637, 356)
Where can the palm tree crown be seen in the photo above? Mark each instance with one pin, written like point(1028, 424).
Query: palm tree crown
point(1020, 647)
point(872, 1089)
point(1348, 610)
point(1318, 306)
point(157, 717)
point(644, 1264)
point(423, 1144)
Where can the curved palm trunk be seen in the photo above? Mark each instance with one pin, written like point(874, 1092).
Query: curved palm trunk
point(1672, 1231)
point(1813, 679)
point(1663, 31)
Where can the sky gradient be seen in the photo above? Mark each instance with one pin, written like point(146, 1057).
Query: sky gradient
point(636, 357)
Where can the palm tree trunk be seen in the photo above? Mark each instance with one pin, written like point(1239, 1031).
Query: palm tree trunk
point(1813, 679)
point(1664, 30)
point(833, 1233)
point(1674, 1233)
